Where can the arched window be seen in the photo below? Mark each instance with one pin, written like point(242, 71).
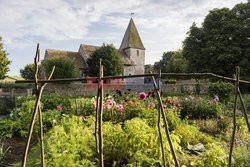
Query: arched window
point(138, 52)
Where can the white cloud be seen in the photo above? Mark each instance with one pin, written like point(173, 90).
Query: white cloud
point(162, 24)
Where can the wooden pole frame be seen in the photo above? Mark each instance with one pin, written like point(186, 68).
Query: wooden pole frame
point(37, 109)
point(165, 124)
point(40, 84)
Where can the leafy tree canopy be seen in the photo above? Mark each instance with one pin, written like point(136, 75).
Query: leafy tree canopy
point(4, 61)
point(148, 68)
point(28, 72)
point(172, 61)
point(221, 43)
point(111, 60)
point(65, 67)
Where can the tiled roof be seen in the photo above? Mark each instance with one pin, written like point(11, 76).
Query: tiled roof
point(89, 48)
point(50, 53)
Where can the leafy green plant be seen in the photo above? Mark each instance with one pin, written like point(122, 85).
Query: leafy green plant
point(222, 89)
point(188, 134)
point(214, 156)
point(82, 106)
point(50, 102)
point(3, 152)
point(241, 156)
point(199, 108)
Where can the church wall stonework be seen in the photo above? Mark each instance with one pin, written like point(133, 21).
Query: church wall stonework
point(138, 56)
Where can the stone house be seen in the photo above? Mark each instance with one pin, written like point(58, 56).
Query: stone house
point(131, 51)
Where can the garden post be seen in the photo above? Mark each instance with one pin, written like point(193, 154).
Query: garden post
point(234, 117)
point(159, 127)
point(165, 124)
point(100, 135)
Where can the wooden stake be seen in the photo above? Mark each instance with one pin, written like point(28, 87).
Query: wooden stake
point(244, 110)
point(159, 128)
point(97, 120)
point(36, 108)
point(234, 117)
point(100, 135)
point(166, 124)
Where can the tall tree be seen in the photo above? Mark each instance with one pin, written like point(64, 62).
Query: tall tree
point(148, 68)
point(221, 43)
point(111, 60)
point(65, 67)
point(172, 61)
point(28, 72)
point(4, 61)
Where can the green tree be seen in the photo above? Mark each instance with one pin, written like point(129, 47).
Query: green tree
point(111, 60)
point(148, 68)
point(172, 61)
point(28, 72)
point(65, 67)
point(4, 61)
point(221, 43)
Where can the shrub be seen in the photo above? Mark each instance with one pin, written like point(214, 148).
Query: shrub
point(199, 108)
point(28, 72)
point(18, 124)
point(214, 156)
point(6, 105)
point(50, 102)
point(221, 89)
point(65, 67)
point(82, 106)
point(135, 143)
point(188, 134)
point(241, 156)
point(173, 119)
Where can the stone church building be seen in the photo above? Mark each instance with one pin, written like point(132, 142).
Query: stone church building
point(131, 51)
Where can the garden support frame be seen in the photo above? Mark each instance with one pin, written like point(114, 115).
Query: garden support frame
point(40, 84)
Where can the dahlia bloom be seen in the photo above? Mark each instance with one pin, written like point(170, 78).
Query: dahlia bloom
point(109, 104)
point(216, 99)
point(119, 108)
point(151, 105)
point(142, 96)
point(59, 107)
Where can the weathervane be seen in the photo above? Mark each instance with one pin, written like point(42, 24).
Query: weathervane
point(131, 14)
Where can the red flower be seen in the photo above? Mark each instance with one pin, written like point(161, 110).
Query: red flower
point(142, 96)
point(59, 108)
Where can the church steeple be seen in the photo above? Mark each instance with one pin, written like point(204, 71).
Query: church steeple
point(131, 38)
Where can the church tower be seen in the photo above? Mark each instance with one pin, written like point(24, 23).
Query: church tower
point(133, 47)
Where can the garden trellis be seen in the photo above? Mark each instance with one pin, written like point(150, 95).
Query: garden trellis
point(40, 84)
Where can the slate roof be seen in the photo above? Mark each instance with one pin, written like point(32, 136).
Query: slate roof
point(50, 53)
point(131, 38)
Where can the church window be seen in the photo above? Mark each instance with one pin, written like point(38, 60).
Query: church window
point(137, 52)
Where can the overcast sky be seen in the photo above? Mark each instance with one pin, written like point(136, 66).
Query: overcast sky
point(65, 24)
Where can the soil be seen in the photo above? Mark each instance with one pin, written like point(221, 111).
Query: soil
point(16, 148)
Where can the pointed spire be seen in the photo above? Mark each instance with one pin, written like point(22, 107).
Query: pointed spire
point(131, 38)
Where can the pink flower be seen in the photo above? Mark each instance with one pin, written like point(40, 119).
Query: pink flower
point(151, 105)
point(142, 96)
point(109, 104)
point(216, 99)
point(59, 108)
point(119, 108)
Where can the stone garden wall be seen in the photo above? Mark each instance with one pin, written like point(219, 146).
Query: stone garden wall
point(82, 89)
